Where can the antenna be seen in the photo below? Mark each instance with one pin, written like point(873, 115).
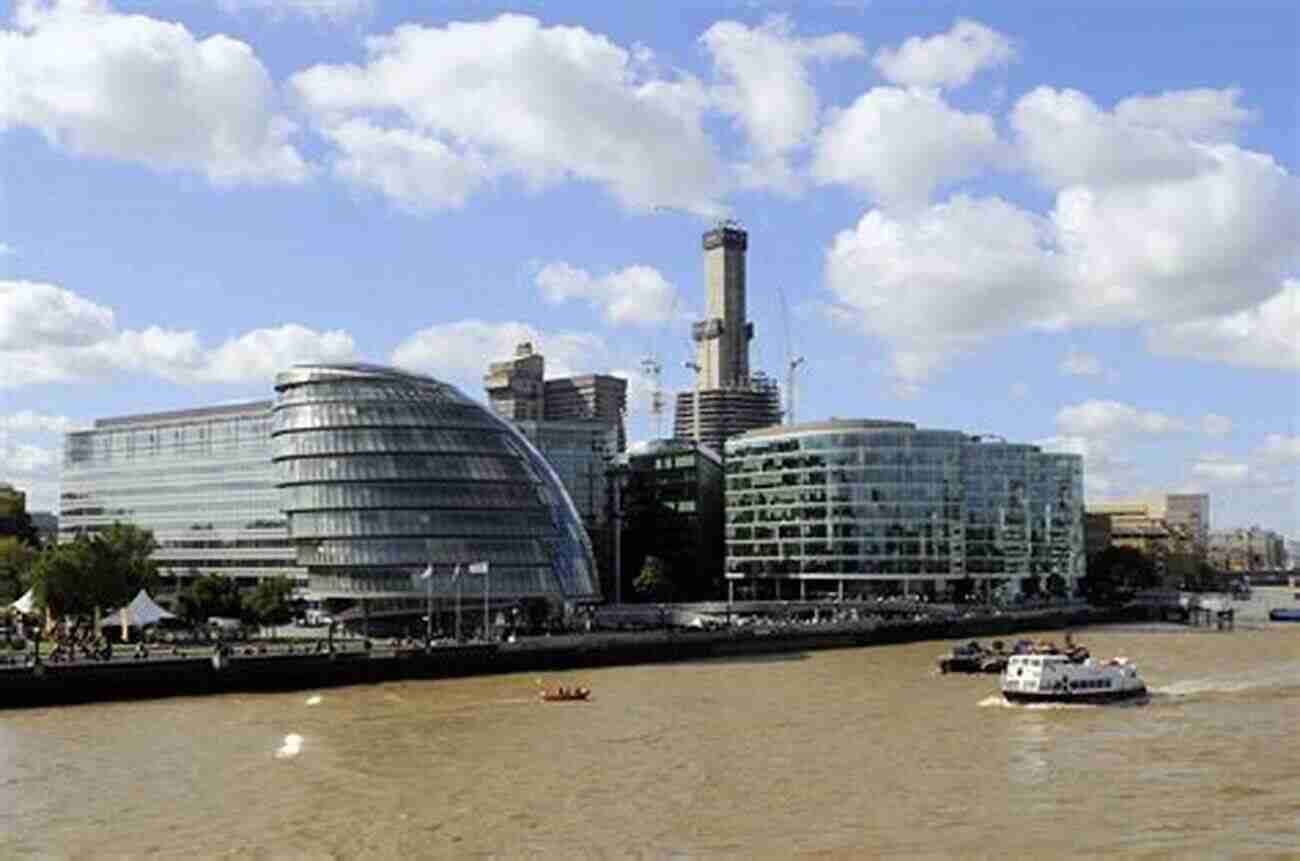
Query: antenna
point(792, 362)
point(653, 369)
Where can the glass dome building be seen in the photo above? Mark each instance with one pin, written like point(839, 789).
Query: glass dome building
point(383, 472)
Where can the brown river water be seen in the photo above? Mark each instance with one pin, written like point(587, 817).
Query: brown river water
point(833, 754)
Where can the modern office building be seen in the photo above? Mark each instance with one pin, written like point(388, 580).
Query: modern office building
point(727, 399)
point(382, 473)
point(517, 390)
point(1145, 525)
point(863, 507)
point(670, 499)
point(1096, 532)
point(201, 480)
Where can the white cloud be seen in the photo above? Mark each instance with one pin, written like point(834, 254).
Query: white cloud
point(334, 11)
point(1281, 447)
point(25, 459)
point(1215, 469)
point(48, 335)
point(261, 353)
point(7, 250)
point(540, 103)
point(900, 145)
point(1195, 257)
point(417, 172)
point(1203, 114)
point(1068, 140)
point(1076, 364)
point(459, 352)
point(938, 282)
point(636, 295)
point(766, 87)
point(948, 59)
point(1111, 418)
point(33, 315)
point(27, 421)
point(1264, 336)
point(1215, 425)
point(130, 87)
point(1018, 391)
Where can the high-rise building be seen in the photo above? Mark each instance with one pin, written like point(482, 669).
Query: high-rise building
point(727, 399)
point(200, 479)
point(1247, 550)
point(518, 390)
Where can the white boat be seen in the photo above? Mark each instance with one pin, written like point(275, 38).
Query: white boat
point(1055, 678)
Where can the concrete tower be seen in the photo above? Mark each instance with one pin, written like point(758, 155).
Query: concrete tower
point(727, 398)
point(722, 338)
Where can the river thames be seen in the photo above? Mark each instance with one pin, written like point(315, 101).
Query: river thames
point(831, 754)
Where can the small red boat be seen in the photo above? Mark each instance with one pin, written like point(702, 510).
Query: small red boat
point(561, 695)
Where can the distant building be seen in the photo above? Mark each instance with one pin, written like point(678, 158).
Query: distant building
point(200, 479)
point(671, 501)
point(1160, 527)
point(517, 390)
point(1247, 550)
point(1190, 512)
point(868, 507)
point(727, 399)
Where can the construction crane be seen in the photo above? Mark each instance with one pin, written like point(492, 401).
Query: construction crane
point(792, 362)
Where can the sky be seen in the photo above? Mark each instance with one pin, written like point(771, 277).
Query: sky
point(1077, 226)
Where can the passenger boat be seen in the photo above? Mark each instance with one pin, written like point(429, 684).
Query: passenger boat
point(1056, 678)
point(561, 695)
point(974, 658)
point(1284, 614)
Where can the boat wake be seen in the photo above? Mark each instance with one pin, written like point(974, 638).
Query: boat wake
point(1278, 677)
point(997, 701)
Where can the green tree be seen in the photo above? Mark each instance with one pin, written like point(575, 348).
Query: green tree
point(1116, 572)
point(962, 589)
point(654, 582)
point(271, 603)
point(1031, 586)
point(101, 571)
point(207, 596)
point(16, 561)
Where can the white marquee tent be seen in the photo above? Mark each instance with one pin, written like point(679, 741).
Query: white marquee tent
point(25, 604)
point(140, 612)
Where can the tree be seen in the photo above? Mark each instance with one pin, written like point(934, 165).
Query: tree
point(1031, 586)
point(16, 561)
point(654, 581)
point(962, 589)
point(207, 596)
point(102, 571)
point(1116, 572)
point(270, 603)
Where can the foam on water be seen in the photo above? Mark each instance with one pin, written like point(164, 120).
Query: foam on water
point(292, 746)
point(996, 701)
point(313, 700)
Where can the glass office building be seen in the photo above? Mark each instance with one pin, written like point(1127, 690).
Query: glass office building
point(882, 507)
point(201, 480)
point(382, 473)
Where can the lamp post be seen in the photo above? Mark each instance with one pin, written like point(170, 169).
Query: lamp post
point(482, 568)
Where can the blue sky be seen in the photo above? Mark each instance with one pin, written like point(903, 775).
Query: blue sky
point(1077, 227)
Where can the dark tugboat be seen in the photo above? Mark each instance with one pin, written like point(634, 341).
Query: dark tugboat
point(974, 658)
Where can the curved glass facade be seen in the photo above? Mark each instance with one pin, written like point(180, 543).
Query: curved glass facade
point(382, 473)
point(889, 507)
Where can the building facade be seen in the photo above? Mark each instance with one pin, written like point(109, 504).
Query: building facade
point(1247, 550)
point(727, 399)
point(517, 390)
point(670, 503)
point(1190, 514)
point(863, 507)
point(201, 480)
point(383, 473)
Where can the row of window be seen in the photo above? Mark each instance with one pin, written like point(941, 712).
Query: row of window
point(401, 466)
point(479, 524)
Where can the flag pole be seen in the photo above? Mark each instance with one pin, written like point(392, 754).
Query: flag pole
point(428, 606)
point(486, 632)
point(456, 577)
